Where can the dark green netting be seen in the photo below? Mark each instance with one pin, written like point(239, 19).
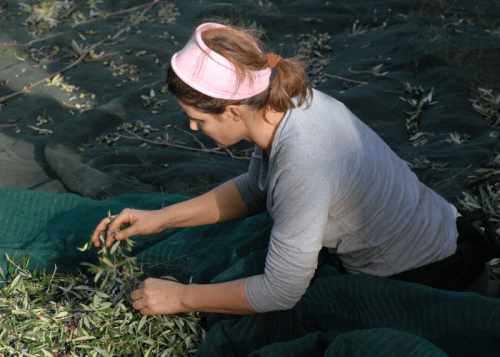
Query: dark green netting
point(340, 315)
point(442, 45)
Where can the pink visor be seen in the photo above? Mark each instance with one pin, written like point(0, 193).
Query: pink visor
point(213, 75)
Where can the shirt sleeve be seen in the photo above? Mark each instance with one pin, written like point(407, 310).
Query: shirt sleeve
point(248, 185)
point(300, 204)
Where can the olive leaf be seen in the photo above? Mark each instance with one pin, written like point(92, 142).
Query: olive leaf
point(40, 311)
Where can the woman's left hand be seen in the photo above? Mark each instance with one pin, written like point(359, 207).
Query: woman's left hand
point(158, 297)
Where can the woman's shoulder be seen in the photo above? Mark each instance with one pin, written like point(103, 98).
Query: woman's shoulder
point(321, 117)
point(315, 134)
point(320, 99)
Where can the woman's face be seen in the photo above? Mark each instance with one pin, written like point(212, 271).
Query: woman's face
point(223, 129)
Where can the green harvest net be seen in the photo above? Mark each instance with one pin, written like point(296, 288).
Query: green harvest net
point(340, 315)
point(406, 68)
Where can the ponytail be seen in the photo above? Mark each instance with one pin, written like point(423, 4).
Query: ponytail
point(289, 82)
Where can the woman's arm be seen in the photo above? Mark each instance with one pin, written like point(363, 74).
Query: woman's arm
point(223, 203)
point(227, 298)
point(163, 297)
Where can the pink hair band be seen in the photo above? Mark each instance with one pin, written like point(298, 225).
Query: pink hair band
point(213, 75)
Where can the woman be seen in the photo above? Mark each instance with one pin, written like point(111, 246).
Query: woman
point(326, 179)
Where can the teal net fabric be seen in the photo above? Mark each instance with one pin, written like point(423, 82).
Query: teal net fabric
point(340, 315)
point(448, 47)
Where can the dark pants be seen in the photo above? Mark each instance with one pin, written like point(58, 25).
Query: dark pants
point(463, 268)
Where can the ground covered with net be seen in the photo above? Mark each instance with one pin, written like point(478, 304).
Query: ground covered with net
point(87, 127)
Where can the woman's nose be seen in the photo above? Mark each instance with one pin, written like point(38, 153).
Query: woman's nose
point(193, 125)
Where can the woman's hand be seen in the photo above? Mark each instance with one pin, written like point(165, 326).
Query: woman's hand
point(141, 223)
point(158, 297)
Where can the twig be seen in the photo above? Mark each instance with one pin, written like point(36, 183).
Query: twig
point(350, 8)
point(18, 58)
point(21, 270)
point(17, 266)
point(422, 8)
point(152, 84)
point(163, 143)
point(117, 13)
point(451, 178)
point(445, 11)
point(237, 157)
point(388, 91)
point(441, 107)
point(343, 79)
point(120, 40)
point(483, 113)
point(203, 146)
point(194, 137)
point(5, 126)
point(67, 13)
point(82, 57)
point(45, 131)
point(50, 283)
point(104, 54)
point(13, 121)
point(34, 41)
point(374, 71)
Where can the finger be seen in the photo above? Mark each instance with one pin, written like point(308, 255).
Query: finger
point(100, 228)
point(135, 295)
point(139, 304)
point(124, 233)
point(146, 311)
point(110, 238)
point(126, 216)
point(113, 230)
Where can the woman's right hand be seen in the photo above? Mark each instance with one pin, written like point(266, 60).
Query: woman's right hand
point(141, 223)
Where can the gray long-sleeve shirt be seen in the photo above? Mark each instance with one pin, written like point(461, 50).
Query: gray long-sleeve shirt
point(331, 181)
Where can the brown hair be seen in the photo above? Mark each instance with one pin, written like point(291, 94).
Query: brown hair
point(244, 51)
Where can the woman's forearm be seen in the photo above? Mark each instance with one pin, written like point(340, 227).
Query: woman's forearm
point(223, 203)
point(226, 298)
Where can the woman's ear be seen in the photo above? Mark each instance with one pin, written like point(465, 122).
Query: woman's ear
point(234, 112)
